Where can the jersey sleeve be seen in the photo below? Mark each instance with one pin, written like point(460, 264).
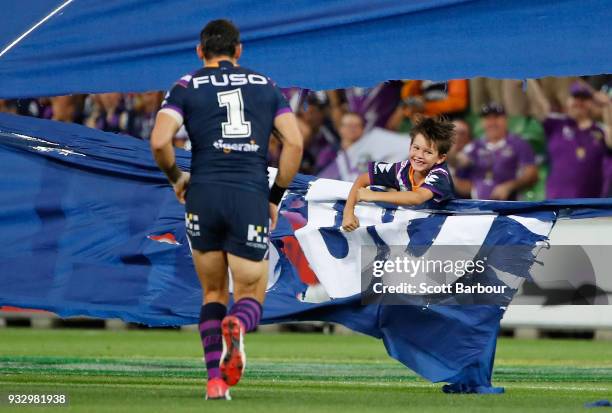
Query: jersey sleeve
point(282, 106)
point(174, 101)
point(438, 181)
point(383, 174)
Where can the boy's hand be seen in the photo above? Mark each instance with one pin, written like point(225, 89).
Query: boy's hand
point(349, 222)
point(365, 194)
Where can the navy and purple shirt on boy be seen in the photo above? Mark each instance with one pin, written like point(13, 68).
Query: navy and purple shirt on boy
point(400, 176)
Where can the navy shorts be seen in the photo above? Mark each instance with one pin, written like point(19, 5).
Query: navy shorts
point(223, 218)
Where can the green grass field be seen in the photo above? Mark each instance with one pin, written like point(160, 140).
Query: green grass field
point(150, 371)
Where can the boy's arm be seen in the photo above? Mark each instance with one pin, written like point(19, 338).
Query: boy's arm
point(397, 198)
point(349, 220)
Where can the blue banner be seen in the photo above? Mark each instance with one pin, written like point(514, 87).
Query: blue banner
point(59, 47)
point(90, 227)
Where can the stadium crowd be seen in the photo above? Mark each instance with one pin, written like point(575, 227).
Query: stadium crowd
point(532, 140)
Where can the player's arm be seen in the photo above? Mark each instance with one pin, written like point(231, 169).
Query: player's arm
point(541, 105)
point(164, 130)
point(161, 145)
point(291, 153)
point(349, 220)
point(286, 129)
point(397, 198)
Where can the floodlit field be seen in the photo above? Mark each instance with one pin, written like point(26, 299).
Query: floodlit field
point(150, 371)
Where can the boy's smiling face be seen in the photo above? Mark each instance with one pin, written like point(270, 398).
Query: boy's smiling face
point(424, 155)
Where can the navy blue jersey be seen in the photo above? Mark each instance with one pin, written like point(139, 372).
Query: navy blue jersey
point(229, 113)
point(400, 176)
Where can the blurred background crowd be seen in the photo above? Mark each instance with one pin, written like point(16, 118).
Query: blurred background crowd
point(531, 140)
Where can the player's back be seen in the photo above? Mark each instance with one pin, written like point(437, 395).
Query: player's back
point(229, 113)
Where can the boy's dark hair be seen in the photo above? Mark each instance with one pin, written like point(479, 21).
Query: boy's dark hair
point(440, 131)
point(219, 38)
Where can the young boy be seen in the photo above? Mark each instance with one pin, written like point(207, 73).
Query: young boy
point(422, 177)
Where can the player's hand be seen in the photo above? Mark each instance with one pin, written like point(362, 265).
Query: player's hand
point(349, 221)
point(365, 194)
point(180, 186)
point(502, 191)
point(273, 216)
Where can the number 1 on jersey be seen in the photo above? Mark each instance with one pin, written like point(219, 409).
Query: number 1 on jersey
point(236, 125)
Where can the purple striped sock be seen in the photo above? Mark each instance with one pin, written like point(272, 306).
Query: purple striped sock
point(211, 315)
point(248, 311)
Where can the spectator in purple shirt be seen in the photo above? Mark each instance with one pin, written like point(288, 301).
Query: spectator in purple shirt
point(142, 118)
point(108, 113)
point(320, 137)
point(577, 145)
point(352, 127)
point(500, 164)
point(61, 108)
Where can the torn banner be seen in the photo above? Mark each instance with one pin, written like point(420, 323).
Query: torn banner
point(90, 227)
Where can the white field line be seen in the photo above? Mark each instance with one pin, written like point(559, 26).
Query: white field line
point(265, 383)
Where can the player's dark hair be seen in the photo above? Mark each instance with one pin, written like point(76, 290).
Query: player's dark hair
point(440, 131)
point(219, 38)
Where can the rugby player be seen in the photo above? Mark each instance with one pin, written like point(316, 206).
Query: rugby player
point(230, 113)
